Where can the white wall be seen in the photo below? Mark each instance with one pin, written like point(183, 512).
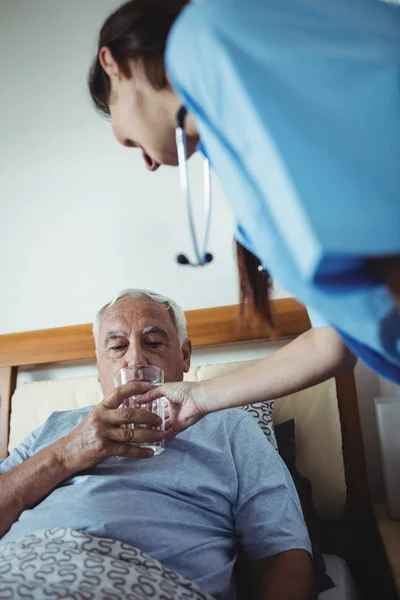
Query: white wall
point(80, 217)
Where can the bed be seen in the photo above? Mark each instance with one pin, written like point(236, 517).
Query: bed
point(328, 432)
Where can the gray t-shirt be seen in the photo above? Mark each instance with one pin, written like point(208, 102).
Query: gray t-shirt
point(217, 485)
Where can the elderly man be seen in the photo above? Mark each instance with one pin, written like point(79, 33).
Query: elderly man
point(218, 487)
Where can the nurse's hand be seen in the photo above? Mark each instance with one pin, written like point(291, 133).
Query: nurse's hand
point(186, 405)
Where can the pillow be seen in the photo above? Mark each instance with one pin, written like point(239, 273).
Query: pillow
point(286, 441)
point(262, 413)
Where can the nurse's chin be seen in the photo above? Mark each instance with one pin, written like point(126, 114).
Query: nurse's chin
point(169, 160)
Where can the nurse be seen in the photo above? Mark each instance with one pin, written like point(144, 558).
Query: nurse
point(296, 104)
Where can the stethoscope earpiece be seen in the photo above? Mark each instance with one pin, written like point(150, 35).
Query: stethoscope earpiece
point(202, 257)
point(182, 259)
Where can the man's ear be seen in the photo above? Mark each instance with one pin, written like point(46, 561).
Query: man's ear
point(187, 354)
point(108, 62)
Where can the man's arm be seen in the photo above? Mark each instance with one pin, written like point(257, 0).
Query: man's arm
point(97, 437)
point(268, 519)
point(284, 576)
point(28, 483)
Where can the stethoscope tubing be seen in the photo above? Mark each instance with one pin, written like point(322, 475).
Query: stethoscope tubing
point(201, 255)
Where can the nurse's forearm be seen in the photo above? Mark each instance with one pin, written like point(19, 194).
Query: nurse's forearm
point(311, 358)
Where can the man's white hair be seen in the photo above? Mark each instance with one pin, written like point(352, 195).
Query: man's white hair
point(179, 315)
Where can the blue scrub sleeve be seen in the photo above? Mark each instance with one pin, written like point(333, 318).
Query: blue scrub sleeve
point(316, 319)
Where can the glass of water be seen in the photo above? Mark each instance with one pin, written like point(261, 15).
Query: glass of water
point(152, 375)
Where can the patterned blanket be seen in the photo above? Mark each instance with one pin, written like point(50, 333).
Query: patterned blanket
point(63, 563)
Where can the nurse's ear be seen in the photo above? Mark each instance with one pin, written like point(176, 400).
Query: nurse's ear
point(108, 63)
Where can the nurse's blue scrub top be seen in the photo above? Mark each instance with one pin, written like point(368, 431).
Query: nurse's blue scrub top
point(297, 103)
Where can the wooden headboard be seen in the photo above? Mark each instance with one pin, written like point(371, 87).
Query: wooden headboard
point(206, 327)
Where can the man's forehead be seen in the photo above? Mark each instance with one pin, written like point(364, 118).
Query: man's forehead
point(130, 314)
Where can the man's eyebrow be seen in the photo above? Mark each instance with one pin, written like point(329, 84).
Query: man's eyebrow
point(155, 329)
point(113, 335)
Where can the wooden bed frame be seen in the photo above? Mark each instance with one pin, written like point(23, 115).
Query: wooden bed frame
point(357, 539)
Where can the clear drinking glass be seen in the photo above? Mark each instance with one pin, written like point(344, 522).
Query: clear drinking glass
point(155, 376)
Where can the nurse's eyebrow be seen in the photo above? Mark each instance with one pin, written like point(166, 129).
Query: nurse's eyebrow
point(113, 335)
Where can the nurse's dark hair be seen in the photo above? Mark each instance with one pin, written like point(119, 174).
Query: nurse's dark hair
point(137, 30)
point(255, 284)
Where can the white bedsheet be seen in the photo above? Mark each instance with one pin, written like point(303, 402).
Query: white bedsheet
point(338, 570)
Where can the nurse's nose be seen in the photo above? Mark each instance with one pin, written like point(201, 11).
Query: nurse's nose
point(151, 164)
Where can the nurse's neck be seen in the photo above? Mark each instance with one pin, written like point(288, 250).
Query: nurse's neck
point(190, 126)
point(192, 135)
point(191, 131)
point(190, 123)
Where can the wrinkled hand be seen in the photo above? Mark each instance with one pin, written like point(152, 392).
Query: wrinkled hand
point(185, 405)
point(100, 434)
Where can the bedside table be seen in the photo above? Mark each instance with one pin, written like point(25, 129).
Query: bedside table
point(390, 533)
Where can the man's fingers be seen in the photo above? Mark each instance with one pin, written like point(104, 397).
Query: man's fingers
point(138, 435)
point(133, 451)
point(136, 416)
point(121, 393)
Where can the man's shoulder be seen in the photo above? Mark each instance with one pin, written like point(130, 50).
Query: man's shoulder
point(229, 420)
point(62, 416)
point(233, 430)
point(58, 424)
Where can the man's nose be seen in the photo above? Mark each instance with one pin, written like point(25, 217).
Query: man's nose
point(135, 356)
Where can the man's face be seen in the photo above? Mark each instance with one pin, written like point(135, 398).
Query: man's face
point(143, 117)
point(140, 331)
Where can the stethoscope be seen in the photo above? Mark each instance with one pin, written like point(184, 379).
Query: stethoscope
point(202, 256)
